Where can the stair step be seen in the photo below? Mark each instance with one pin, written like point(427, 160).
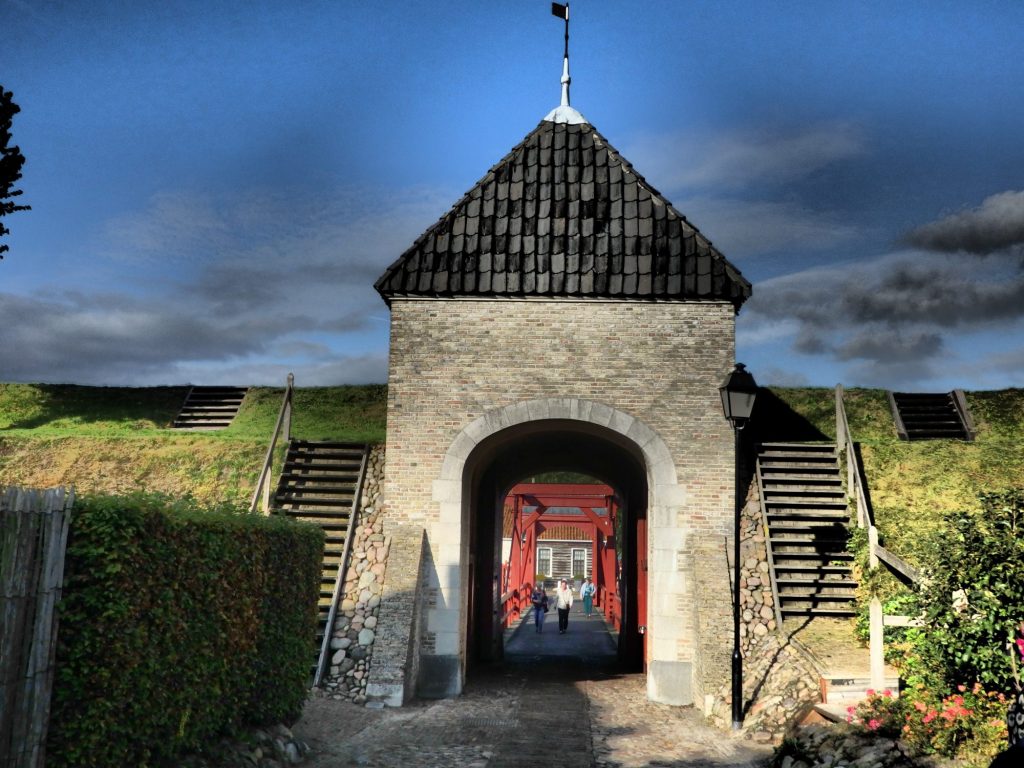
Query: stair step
point(310, 488)
point(808, 447)
point(811, 571)
point(789, 500)
point(209, 408)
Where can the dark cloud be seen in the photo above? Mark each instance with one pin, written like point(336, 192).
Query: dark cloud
point(997, 224)
point(890, 346)
point(891, 319)
point(896, 292)
point(243, 289)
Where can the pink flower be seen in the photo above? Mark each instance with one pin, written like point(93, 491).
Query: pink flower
point(870, 691)
point(887, 693)
point(874, 724)
point(919, 706)
point(961, 688)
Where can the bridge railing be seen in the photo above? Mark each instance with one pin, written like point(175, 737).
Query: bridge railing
point(514, 603)
point(856, 488)
point(610, 605)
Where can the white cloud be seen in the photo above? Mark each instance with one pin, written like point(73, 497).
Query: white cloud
point(741, 159)
point(741, 227)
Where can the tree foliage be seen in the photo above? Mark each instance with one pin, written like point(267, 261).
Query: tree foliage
point(11, 161)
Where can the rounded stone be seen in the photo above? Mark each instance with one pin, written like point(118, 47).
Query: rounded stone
point(366, 637)
point(370, 622)
point(348, 604)
point(338, 657)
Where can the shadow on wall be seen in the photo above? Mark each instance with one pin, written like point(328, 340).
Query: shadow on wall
point(774, 421)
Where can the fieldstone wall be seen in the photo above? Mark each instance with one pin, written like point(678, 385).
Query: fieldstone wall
point(355, 625)
point(779, 679)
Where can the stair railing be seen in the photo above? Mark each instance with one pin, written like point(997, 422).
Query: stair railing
point(339, 581)
point(284, 426)
point(877, 554)
point(960, 402)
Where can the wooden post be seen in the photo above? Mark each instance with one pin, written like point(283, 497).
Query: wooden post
point(840, 419)
point(872, 547)
point(876, 645)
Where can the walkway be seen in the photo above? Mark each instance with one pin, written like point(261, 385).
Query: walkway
point(556, 701)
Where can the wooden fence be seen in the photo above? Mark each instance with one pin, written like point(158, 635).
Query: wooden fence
point(33, 537)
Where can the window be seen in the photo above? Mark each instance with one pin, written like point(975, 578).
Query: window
point(579, 563)
point(544, 560)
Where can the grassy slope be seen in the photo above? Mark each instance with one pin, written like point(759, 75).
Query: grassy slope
point(115, 439)
point(913, 483)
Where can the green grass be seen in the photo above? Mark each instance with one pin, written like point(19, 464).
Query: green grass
point(118, 440)
point(348, 413)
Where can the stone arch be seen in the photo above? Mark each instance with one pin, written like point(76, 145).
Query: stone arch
point(669, 680)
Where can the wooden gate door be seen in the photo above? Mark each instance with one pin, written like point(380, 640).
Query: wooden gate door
point(641, 586)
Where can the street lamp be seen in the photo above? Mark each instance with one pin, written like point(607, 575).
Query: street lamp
point(738, 393)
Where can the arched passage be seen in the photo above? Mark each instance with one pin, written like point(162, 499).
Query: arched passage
point(500, 462)
point(483, 461)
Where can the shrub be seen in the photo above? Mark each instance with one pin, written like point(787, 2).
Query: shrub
point(177, 623)
point(967, 725)
point(974, 601)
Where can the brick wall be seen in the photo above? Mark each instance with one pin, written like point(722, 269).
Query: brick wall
point(453, 361)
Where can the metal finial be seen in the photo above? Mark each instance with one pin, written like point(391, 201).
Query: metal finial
point(562, 11)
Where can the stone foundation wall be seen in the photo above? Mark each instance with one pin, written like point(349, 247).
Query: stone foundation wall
point(779, 679)
point(355, 624)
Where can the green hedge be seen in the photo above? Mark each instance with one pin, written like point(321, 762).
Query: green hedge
point(177, 624)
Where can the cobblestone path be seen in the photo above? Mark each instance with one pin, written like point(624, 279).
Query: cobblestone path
point(556, 701)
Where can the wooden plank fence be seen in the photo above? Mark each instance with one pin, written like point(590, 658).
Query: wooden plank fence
point(33, 538)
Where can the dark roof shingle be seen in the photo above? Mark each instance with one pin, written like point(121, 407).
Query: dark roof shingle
point(564, 215)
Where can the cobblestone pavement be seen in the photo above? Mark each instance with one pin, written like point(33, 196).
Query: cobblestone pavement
point(557, 700)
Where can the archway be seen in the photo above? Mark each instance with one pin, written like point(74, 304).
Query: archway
point(553, 445)
point(626, 451)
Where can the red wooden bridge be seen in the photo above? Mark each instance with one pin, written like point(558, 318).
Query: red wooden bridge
point(532, 510)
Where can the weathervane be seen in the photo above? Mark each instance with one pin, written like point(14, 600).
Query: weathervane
point(562, 12)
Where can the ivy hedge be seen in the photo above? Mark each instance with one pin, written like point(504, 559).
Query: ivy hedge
point(178, 623)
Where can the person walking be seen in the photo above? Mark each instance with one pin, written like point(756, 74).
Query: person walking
point(587, 593)
point(563, 602)
point(539, 599)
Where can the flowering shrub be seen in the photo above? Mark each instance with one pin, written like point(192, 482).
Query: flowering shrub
point(968, 725)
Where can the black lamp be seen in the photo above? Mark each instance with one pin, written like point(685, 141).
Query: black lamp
point(738, 393)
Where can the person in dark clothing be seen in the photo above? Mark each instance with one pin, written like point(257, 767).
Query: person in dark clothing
point(539, 599)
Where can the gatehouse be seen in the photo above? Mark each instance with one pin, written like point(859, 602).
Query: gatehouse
point(561, 316)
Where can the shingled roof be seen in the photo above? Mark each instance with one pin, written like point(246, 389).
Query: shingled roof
point(564, 215)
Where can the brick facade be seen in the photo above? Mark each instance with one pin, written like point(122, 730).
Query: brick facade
point(465, 370)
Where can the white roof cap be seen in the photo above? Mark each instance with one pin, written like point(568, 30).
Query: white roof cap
point(565, 114)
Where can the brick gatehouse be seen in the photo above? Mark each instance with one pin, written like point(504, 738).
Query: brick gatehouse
point(562, 315)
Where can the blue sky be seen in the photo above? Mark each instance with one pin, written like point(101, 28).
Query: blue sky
point(215, 186)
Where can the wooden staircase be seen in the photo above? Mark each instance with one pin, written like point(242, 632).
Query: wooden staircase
point(807, 514)
point(931, 416)
point(209, 408)
point(321, 482)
